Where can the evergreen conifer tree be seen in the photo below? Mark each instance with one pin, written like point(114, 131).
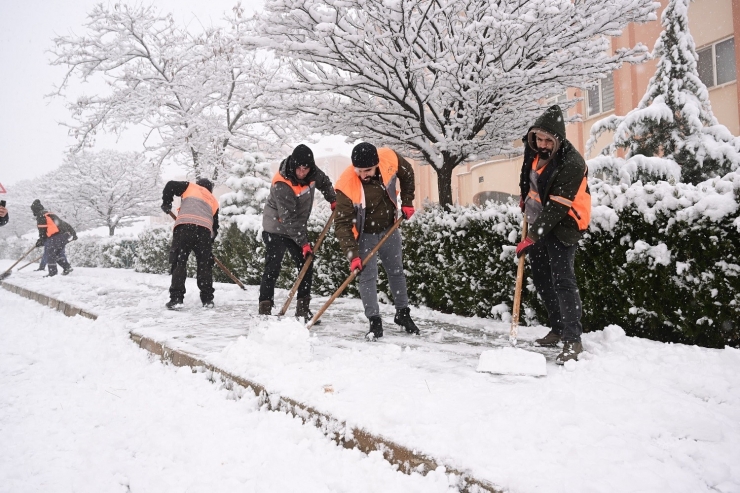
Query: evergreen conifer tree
point(250, 181)
point(674, 120)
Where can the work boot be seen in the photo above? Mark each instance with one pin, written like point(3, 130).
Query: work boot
point(174, 304)
point(571, 350)
point(266, 307)
point(551, 339)
point(41, 268)
point(403, 318)
point(376, 328)
point(302, 310)
point(67, 271)
point(208, 304)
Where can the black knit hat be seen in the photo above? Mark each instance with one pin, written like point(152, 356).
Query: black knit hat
point(365, 155)
point(37, 208)
point(205, 183)
point(303, 156)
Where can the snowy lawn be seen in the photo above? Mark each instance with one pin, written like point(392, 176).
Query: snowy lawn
point(83, 409)
point(632, 415)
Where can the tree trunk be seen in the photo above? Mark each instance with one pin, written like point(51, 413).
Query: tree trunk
point(111, 230)
point(444, 184)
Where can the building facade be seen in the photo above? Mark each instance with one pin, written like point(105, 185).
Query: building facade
point(713, 25)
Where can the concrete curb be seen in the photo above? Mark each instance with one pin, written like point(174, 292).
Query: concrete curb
point(60, 306)
point(407, 460)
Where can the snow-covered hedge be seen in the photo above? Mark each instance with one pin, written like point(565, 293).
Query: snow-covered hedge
point(661, 260)
point(92, 251)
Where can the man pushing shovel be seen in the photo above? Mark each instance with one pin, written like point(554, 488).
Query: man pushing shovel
point(367, 207)
point(557, 203)
point(285, 225)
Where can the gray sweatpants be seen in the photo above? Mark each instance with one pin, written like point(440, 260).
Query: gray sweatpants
point(392, 258)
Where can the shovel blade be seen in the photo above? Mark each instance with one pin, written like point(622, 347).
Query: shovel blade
point(512, 361)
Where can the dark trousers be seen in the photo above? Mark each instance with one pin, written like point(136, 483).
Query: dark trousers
point(187, 238)
point(54, 250)
point(275, 246)
point(554, 277)
point(45, 257)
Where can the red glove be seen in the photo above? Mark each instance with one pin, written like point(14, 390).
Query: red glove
point(333, 205)
point(307, 250)
point(523, 246)
point(521, 203)
point(407, 211)
point(355, 264)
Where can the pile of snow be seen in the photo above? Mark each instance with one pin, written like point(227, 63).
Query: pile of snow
point(270, 343)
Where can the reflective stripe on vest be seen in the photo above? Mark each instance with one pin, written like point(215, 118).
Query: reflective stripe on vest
point(50, 226)
point(298, 190)
point(351, 186)
point(198, 207)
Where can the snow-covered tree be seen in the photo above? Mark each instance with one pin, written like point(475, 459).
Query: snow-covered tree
point(103, 188)
point(197, 94)
point(250, 180)
point(674, 119)
point(445, 81)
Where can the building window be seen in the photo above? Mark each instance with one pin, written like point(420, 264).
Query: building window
point(716, 64)
point(600, 98)
point(560, 98)
point(480, 179)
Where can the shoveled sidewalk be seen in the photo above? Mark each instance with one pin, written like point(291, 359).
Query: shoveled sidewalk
point(631, 415)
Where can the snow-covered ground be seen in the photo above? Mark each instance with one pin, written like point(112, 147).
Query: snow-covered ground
point(83, 409)
point(632, 415)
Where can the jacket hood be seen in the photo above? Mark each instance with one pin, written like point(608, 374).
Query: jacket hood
point(551, 121)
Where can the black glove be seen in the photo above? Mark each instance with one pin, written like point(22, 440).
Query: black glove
point(166, 208)
point(39, 242)
point(74, 237)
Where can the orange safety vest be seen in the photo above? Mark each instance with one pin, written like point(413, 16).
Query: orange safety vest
point(351, 185)
point(297, 189)
point(579, 207)
point(51, 227)
point(198, 207)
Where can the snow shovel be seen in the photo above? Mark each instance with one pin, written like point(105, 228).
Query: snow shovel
point(354, 273)
point(307, 264)
point(7, 272)
point(513, 360)
point(29, 263)
point(218, 262)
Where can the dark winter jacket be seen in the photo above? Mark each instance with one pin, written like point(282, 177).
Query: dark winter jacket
point(562, 177)
point(178, 188)
point(43, 224)
point(290, 202)
point(4, 219)
point(380, 211)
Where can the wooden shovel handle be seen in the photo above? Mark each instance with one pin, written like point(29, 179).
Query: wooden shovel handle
point(518, 289)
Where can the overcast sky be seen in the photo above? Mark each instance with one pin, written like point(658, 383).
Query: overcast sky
point(31, 140)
